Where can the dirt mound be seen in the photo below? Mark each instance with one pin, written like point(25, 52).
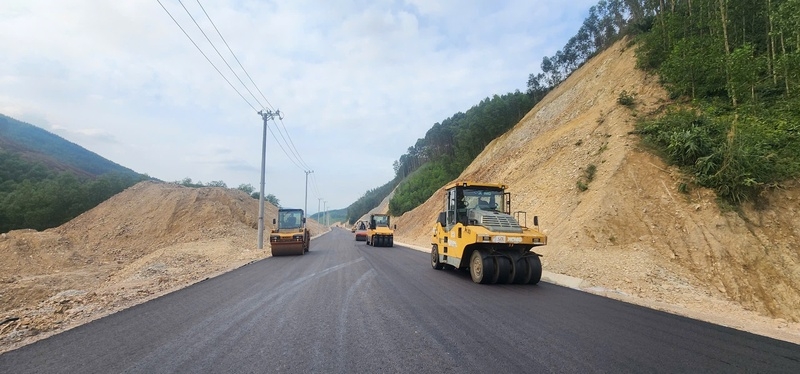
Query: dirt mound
point(632, 233)
point(143, 242)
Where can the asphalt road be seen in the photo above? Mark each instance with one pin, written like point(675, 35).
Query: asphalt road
point(347, 307)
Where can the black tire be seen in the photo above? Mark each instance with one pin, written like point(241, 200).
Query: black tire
point(522, 271)
point(535, 266)
point(391, 241)
point(435, 259)
point(504, 270)
point(481, 267)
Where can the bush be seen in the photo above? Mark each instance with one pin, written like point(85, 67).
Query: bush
point(735, 153)
point(627, 99)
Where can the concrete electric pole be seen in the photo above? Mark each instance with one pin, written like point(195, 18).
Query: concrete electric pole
point(319, 212)
point(305, 209)
point(266, 116)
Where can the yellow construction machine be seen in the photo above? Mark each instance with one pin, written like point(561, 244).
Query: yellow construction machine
point(290, 235)
point(379, 233)
point(477, 231)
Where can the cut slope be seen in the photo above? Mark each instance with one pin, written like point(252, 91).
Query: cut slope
point(632, 231)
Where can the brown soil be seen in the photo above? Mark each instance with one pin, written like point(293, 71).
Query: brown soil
point(151, 239)
point(633, 235)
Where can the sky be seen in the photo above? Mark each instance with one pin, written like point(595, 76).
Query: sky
point(357, 81)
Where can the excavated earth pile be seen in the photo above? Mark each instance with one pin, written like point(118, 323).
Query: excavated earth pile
point(146, 241)
point(632, 234)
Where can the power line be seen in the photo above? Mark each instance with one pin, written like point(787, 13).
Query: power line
point(293, 154)
point(290, 145)
point(314, 184)
point(217, 50)
point(290, 142)
point(284, 150)
point(234, 56)
point(204, 55)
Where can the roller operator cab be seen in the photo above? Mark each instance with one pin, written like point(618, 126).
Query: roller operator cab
point(477, 231)
point(360, 229)
point(290, 235)
point(379, 233)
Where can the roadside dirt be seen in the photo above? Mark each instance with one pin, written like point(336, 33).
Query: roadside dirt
point(149, 240)
point(632, 234)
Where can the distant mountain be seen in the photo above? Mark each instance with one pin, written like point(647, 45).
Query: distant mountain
point(56, 153)
point(335, 215)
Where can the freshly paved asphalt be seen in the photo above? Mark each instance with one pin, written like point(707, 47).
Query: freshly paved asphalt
point(347, 307)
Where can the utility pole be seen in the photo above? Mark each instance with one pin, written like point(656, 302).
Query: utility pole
point(325, 215)
point(305, 210)
point(266, 116)
point(319, 212)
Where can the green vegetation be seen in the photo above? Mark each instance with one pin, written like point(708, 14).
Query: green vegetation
point(369, 200)
point(627, 99)
point(338, 215)
point(187, 182)
point(46, 181)
point(736, 153)
point(607, 22)
point(587, 177)
point(738, 65)
point(55, 150)
point(450, 146)
point(34, 197)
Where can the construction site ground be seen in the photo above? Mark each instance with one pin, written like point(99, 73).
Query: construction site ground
point(632, 235)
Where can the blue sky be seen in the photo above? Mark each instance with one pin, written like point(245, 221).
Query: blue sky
point(357, 81)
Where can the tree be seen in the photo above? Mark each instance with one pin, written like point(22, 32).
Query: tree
point(273, 200)
point(247, 188)
point(217, 184)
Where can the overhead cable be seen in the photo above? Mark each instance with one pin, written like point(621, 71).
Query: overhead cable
point(217, 50)
point(234, 56)
point(204, 55)
point(284, 150)
point(290, 145)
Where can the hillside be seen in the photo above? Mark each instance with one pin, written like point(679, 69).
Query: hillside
point(633, 234)
point(59, 154)
point(143, 242)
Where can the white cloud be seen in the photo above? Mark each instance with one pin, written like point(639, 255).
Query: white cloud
point(359, 81)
